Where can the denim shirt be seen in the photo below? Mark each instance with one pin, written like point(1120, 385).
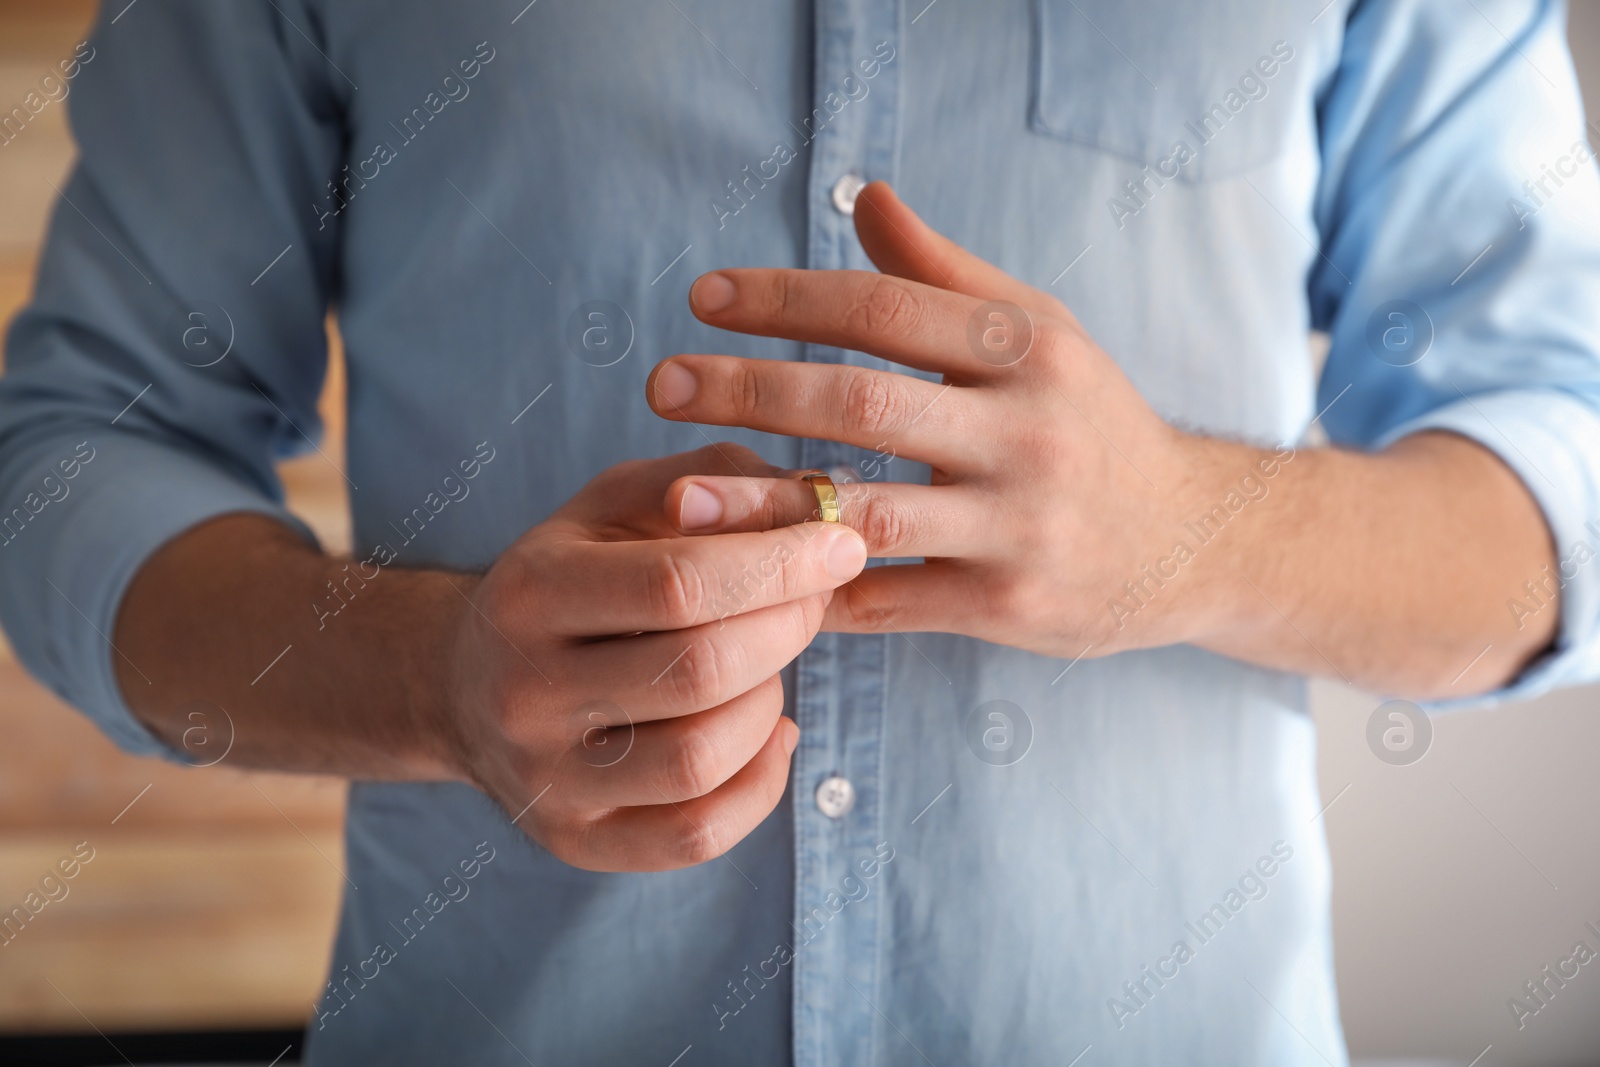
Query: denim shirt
point(984, 855)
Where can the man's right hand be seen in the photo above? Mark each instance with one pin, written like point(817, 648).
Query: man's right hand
point(616, 684)
point(611, 683)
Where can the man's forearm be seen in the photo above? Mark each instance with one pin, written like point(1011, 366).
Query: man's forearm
point(1392, 571)
point(239, 613)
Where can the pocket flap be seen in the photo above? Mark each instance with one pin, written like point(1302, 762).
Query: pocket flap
point(1140, 78)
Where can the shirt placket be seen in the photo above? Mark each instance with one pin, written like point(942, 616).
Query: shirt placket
point(840, 680)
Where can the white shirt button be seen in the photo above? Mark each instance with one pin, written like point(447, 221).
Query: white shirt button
point(845, 191)
point(842, 475)
point(835, 797)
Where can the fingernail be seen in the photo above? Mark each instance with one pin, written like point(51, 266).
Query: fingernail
point(846, 556)
point(791, 736)
point(712, 292)
point(700, 508)
point(675, 385)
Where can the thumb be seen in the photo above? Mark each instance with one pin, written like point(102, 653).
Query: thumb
point(628, 500)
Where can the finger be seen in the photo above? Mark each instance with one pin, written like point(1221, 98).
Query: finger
point(622, 500)
point(908, 322)
point(659, 676)
point(938, 597)
point(667, 836)
point(614, 765)
point(895, 519)
point(901, 244)
point(622, 587)
point(825, 401)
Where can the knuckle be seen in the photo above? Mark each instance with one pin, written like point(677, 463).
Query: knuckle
point(859, 613)
point(882, 524)
point(677, 591)
point(872, 405)
point(692, 769)
point(772, 511)
point(782, 293)
point(696, 678)
point(696, 843)
point(744, 390)
point(884, 306)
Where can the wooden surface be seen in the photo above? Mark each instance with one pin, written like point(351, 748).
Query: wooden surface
point(169, 927)
point(211, 900)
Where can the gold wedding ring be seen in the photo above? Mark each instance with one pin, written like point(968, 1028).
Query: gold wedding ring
point(827, 493)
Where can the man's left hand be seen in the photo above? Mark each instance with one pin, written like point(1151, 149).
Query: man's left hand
point(1053, 482)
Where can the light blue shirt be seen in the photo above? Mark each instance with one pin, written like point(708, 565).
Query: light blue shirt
point(1128, 860)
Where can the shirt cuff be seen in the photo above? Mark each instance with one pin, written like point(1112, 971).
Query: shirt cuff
point(1551, 439)
point(129, 499)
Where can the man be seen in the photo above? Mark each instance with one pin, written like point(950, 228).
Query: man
point(1043, 786)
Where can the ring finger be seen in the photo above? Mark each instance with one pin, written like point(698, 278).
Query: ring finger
point(896, 519)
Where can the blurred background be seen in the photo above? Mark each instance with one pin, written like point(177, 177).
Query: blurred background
point(210, 903)
point(211, 899)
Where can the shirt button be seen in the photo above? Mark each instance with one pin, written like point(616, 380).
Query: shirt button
point(845, 191)
point(841, 474)
point(835, 797)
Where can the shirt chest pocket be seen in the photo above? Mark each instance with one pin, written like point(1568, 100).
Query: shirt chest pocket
point(1196, 89)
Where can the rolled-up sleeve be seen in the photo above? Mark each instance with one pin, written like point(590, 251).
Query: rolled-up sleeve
point(1459, 281)
point(174, 345)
